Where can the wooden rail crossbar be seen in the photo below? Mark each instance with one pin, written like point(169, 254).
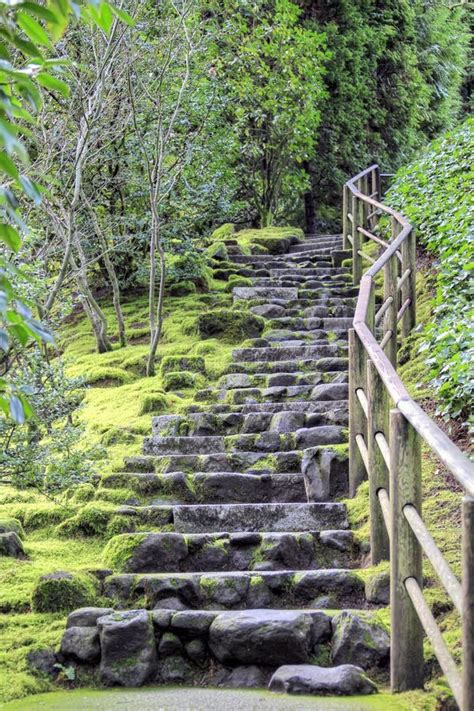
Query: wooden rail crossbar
point(386, 430)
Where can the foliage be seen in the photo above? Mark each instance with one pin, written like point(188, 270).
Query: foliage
point(46, 452)
point(434, 193)
point(272, 66)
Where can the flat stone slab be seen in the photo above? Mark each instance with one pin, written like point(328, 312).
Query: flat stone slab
point(344, 680)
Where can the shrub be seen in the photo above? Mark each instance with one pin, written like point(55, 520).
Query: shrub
point(171, 364)
point(63, 592)
point(434, 193)
point(229, 325)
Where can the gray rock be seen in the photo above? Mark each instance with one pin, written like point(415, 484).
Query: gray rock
point(87, 616)
point(196, 650)
point(161, 618)
point(169, 644)
point(81, 644)
point(344, 680)
point(171, 603)
point(193, 622)
point(249, 677)
point(325, 473)
point(340, 540)
point(43, 661)
point(157, 552)
point(377, 588)
point(261, 637)
point(226, 591)
point(11, 545)
point(287, 421)
point(268, 310)
point(357, 641)
point(235, 380)
point(174, 670)
point(167, 425)
point(128, 648)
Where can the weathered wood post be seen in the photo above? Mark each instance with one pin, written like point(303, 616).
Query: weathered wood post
point(345, 221)
point(390, 316)
point(408, 290)
point(377, 421)
point(356, 244)
point(406, 656)
point(468, 603)
point(357, 360)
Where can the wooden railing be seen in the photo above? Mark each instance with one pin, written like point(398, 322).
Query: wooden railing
point(386, 430)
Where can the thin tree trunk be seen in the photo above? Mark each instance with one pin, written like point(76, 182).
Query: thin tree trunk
point(156, 333)
point(309, 203)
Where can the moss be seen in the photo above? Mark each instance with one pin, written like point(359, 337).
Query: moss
point(117, 435)
point(236, 280)
point(42, 515)
point(157, 402)
point(182, 379)
point(120, 549)
point(63, 592)
point(218, 251)
point(173, 364)
point(232, 326)
point(91, 520)
point(11, 525)
point(182, 288)
point(223, 232)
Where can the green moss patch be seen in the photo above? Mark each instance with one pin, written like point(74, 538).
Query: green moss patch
point(63, 592)
point(120, 549)
point(230, 325)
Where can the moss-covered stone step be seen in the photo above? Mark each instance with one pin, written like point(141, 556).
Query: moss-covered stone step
point(212, 552)
point(314, 247)
point(270, 261)
point(210, 487)
point(332, 588)
point(335, 390)
point(267, 442)
point(230, 648)
point(246, 293)
point(323, 365)
point(287, 462)
point(233, 381)
point(202, 518)
point(316, 412)
point(296, 353)
point(200, 424)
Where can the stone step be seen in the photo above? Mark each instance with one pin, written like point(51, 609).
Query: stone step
point(296, 353)
point(219, 552)
point(239, 590)
point(286, 462)
point(267, 442)
point(231, 381)
point(328, 325)
point(205, 518)
point(252, 292)
point(270, 260)
point(323, 365)
point(277, 393)
point(202, 424)
point(302, 283)
point(315, 411)
point(309, 247)
point(210, 487)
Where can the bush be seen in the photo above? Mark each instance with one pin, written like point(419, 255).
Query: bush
point(182, 288)
point(63, 592)
point(187, 267)
point(171, 364)
point(434, 193)
point(182, 379)
point(232, 326)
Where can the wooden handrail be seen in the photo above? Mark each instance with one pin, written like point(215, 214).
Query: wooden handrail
point(386, 429)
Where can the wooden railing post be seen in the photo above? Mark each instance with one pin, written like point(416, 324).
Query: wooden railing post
point(390, 316)
point(356, 258)
point(406, 656)
point(345, 220)
point(408, 290)
point(357, 359)
point(377, 421)
point(468, 603)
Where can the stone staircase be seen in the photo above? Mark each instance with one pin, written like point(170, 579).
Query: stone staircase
point(255, 565)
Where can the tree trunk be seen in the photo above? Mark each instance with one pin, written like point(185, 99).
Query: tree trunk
point(156, 332)
point(309, 203)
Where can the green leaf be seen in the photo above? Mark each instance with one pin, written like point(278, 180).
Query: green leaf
point(50, 82)
point(31, 189)
point(42, 12)
point(123, 16)
point(16, 410)
point(33, 29)
point(10, 237)
point(8, 166)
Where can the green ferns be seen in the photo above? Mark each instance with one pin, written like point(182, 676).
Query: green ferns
point(435, 194)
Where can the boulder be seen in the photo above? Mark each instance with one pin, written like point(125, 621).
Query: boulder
point(196, 650)
point(128, 648)
point(11, 545)
point(43, 661)
point(344, 680)
point(11, 525)
point(325, 473)
point(87, 616)
point(81, 644)
point(248, 677)
point(268, 637)
point(287, 421)
point(359, 641)
point(174, 669)
point(169, 644)
point(268, 310)
point(62, 591)
point(377, 588)
point(193, 622)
